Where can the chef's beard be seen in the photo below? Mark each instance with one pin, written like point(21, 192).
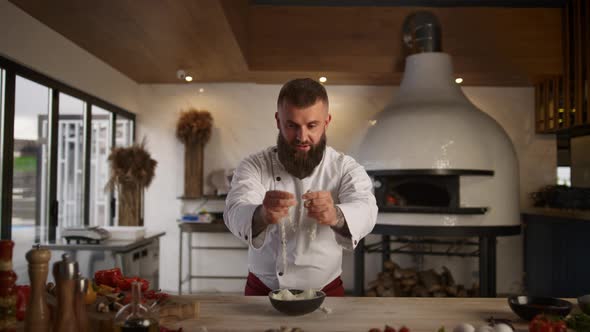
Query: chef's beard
point(300, 163)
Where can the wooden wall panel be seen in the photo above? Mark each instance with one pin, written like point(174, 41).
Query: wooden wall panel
point(572, 93)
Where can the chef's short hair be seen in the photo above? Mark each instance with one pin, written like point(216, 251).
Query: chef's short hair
point(301, 93)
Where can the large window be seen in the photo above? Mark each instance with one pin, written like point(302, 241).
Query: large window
point(54, 147)
point(29, 198)
point(124, 135)
point(100, 199)
point(70, 162)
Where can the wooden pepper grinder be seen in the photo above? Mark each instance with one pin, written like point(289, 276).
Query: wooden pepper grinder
point(37, 315)
point(65, 273)
point(7, 288)
point(80, 303)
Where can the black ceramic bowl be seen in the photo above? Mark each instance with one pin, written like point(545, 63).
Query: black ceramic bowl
point(297, 307)
point(527, 307)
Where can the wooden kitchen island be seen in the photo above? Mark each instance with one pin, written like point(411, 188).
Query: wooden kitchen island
point(359, 314)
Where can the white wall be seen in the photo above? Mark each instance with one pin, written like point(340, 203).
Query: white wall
point(30, 43)
point(244, 123)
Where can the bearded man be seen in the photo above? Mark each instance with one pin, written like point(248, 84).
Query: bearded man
point(300, 203)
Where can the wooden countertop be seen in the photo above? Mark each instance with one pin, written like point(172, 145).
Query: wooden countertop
point(359, 314)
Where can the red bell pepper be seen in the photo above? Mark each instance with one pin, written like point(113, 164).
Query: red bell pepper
point(23, 292)
point(108, 277)
point(125, 283)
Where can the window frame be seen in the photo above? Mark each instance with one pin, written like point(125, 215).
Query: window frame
point(10, 69)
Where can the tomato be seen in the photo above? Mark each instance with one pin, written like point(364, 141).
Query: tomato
point(543, 323)
point(559, 326)
point(388, 329)
point(404, 329)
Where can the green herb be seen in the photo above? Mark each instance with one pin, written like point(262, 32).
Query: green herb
point(441, 329)
point(579, 322)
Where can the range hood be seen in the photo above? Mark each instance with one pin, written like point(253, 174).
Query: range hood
point(432, 132)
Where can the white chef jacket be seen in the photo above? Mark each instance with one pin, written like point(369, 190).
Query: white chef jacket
point(310, 264)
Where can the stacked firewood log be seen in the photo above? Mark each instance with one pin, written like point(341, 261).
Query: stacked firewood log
point(397, 281)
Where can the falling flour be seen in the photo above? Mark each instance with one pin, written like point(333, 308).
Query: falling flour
point(283, 228)
point(314, 226)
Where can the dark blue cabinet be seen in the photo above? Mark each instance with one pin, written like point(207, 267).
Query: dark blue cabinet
point(557, 255)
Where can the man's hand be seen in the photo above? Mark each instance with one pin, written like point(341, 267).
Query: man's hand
point(275, 205)
point(320, 207)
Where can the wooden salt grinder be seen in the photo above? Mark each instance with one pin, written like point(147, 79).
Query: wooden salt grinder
point(65, 273)
point(37, 315)
point(82, 285)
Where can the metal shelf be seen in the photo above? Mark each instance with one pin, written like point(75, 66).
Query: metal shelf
point(432, 171)
point(434, 210)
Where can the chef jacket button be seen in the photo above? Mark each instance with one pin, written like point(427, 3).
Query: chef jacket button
point(246, 237)
point(278, 178)
point(240, 233)
point(275, 150)
point(355, 242)
point(280, 274)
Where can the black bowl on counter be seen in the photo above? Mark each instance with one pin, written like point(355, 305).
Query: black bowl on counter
point(527, 307)
point(297, 307)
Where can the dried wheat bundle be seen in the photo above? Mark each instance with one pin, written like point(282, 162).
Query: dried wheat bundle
point(194, 126)
point(131, 165)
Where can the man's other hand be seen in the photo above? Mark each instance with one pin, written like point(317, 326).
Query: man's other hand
point(276, 204)
point(320, 207)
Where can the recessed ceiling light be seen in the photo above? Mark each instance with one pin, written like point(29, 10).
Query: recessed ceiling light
point(323, 79)
point(458, 80)
point(188, 78)
point(201, 90)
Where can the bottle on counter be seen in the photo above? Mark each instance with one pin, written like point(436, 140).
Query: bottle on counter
point(37, 315)
point(65, 273)
point(7, 288)
point(135, 317)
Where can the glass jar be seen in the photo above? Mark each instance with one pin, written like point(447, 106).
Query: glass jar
point(136, 317)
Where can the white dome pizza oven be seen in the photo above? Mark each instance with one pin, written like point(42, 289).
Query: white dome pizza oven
point(435, 158)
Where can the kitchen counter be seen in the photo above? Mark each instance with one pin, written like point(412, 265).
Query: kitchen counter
point(359, 314)
point(138, 257)
point(112, 245)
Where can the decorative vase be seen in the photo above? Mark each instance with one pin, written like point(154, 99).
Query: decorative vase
point(130, 204)
point(193, 169)
point(194, 130)
point(132, 170)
